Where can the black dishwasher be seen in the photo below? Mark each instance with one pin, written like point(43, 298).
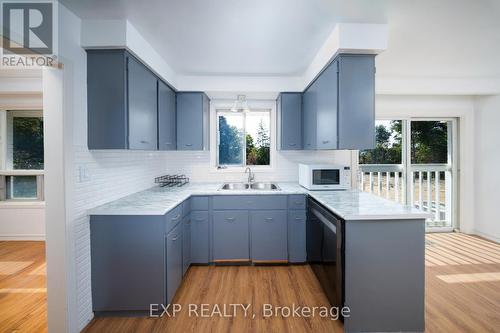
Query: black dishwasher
point(325, 250)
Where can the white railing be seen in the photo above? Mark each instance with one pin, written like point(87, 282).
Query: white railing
point(430, 187)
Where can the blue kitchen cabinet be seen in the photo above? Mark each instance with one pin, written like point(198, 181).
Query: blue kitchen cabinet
point(297, 236)
point(231, 236)
point(269, 236)
point(199, 237)
point(192, 121)
point(339, 105)
point(142, 106)
point(186, 243)
point(121, 102)
point(173, 254)
point(289, 121)
point(356, 102)
point(167, 133)
point(127, 262)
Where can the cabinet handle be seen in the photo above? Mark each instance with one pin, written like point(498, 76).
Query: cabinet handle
point(298, 202)
point(292, 144)
point(230, 219)
point(168, 143)
point(189, 144)
point(269, 219)
point(144, 141)
point(199, 220)
point(326, 141)
point(299, 218)
point(176, 237)
point(176, 218)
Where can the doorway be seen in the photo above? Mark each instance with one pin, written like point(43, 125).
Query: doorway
point(414, 163)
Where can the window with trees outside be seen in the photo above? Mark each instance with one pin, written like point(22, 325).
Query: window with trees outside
point(243, 138)
point(21, 159)
point(413, 163)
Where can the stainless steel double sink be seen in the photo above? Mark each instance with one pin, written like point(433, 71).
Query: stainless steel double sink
point(251, 186)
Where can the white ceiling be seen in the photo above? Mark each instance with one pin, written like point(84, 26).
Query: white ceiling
point(432, 38)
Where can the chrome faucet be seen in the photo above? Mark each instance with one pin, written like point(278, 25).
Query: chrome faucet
point(251, 176)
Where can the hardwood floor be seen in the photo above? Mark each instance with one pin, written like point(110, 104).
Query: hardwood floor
point(462, 287)
point(462, 292)
point(23, 294)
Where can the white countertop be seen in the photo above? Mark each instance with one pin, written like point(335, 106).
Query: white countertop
point(349, 205)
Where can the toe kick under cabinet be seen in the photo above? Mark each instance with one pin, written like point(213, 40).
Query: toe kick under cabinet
point(138, 260)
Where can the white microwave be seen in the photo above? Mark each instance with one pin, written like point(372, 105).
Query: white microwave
point(325, 176)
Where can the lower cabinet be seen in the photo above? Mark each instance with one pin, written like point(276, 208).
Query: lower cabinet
point(127, 250)
point(173, 247)
point(199, 237)
point(231, 236)
point(186, 244)
point(297, 236)
point(269, 235)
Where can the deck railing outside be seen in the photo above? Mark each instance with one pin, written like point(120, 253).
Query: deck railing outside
point(430, 187)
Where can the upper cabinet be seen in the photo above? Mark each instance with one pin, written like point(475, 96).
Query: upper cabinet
point(121, 101)
point(339, 106)
point(289, 120)
point(167, 134)
point(192, 121)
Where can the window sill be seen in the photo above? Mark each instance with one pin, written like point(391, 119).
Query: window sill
point(255, 169)
point(11, 204)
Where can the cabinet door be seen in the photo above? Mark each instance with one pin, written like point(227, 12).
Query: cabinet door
point(326, 108)
point(290, 121)
point(297, 236)
point(125, 250)
point(174, 261)
point(199, 237)
point(106, 99)
point(167, 136)
point(142, 106)
point(269, 235)
point(190, 121)
point(309, 100)
point(186, 244)
point(357, 102)
point(230, 235)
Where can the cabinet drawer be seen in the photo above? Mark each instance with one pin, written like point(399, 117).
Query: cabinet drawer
point(199, 203)
point(250, 202)
point(269, 236)
point(297, 201)
point(173, 217)
point(230, 235)
point(297, 236)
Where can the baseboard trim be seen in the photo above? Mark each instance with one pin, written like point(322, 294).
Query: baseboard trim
point(22, 237)
point(487, 236)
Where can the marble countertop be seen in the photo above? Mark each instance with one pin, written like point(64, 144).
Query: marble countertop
point(349, 205)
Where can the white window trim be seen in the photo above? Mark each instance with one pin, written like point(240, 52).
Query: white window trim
point(252, 104)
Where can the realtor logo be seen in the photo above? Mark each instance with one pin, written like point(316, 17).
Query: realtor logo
point(28, 33)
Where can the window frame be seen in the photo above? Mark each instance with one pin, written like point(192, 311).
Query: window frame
point(257, 105)
point(6, 156)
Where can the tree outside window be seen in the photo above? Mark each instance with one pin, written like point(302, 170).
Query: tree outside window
point(244, 138)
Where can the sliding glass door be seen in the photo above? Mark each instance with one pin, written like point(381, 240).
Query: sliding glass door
point(413, 163)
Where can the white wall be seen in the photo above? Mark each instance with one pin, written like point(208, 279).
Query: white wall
point(487, 162)
point(19, 221)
